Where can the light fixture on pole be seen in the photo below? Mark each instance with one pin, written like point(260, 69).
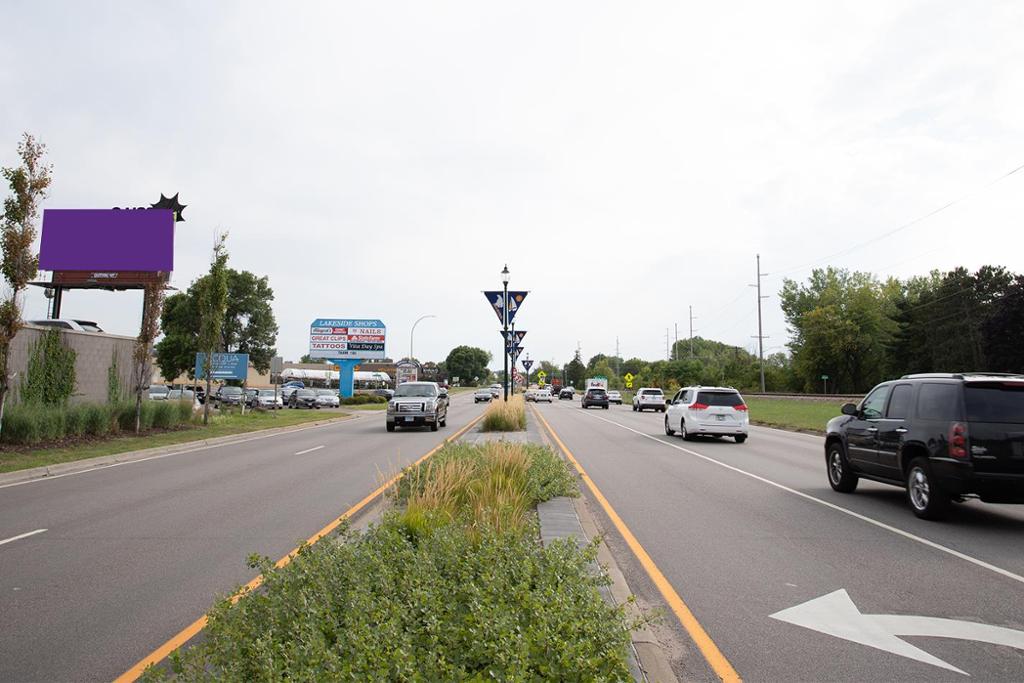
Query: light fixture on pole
point(422, 317)
point(504, 320)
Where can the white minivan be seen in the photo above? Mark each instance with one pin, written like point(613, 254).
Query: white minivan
point(708, 411)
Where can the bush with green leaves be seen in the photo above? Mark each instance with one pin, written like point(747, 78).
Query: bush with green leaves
point(385, 607)
point(28, 424)
point(50, 376)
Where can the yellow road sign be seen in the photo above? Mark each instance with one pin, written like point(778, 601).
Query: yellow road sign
point(542, 374)
point(629, 377)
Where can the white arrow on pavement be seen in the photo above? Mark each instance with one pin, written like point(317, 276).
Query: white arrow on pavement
point(836, 615)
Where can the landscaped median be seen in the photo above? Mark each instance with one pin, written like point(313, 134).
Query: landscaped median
point(452, 584)
point(505, 416)
point(109, 431)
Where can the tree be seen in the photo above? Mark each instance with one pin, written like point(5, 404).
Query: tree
point(248, 324)
point(153, 303)
point(841, 324)
point(575, 372)
point(467, 362)
point(29, 183)
point(306, 358)
point(213, 303)
point(1004, 329)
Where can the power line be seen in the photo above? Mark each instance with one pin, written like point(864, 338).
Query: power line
point(899, 228)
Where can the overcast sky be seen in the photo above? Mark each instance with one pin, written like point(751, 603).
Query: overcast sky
point(627, 160)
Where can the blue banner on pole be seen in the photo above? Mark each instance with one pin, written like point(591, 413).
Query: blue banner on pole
point(527, 364)
point(223, 366)
point(519, 336)
point(515, 300)
point(497, 302)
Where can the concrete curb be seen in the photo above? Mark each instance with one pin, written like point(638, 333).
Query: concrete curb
point(102, 461)
point(653, 662)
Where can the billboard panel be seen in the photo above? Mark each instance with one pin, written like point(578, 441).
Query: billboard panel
point(223, 366)
point(107, 240)
point(357, 338)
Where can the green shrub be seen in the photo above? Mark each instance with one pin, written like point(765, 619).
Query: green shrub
point(75, 420)
point(382, 607)
point(21, 425)
point(50, 376)
point(124, 415)
point(98, 419)
point(165, 414)
point(51, 422)
point(184, 408)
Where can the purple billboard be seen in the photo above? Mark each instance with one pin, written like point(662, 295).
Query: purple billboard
point(107, 240)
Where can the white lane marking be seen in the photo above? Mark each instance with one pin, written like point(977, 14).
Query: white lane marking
point(20, 536)
point(881, 525)
point(836, 615)
point(310, 450)
point(816, 437)
point(99, 468)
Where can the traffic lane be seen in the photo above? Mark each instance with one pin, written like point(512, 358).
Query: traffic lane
point(101, 590)
point(992, 533)
point(738, 550)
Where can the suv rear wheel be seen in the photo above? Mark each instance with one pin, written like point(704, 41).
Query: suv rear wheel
point(840, 478)
point(926, 499)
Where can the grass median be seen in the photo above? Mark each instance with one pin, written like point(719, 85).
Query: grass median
point(803, 415)
point(228, 424)
point(452, 585)
point(505, 416)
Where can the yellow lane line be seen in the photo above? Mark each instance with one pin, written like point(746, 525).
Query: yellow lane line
point(193, 629)
point(714, 657)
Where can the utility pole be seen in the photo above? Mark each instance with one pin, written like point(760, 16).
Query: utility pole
point(668, 355)
point(618, 359)
point(760, 332)
point(675, 344)
point(691, 331)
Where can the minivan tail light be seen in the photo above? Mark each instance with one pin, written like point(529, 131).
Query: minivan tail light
point(699, 406)
point(958, 440)
point(742, 406)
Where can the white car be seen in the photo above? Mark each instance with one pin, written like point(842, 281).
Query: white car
point(615, 397)
point(542, 395)
point(158, 392)
point(496, 390)
point(708, 411)
point(648, 397)
point(266, 398)
point(327, 398)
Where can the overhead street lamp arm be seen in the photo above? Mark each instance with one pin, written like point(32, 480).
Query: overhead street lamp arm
point(413, 331)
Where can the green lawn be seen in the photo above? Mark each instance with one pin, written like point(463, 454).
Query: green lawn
point(367, 406)
point(220, 425)
point(790, 413)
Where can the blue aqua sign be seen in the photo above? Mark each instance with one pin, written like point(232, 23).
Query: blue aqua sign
point(223, 366)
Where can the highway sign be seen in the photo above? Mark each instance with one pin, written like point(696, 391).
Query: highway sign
point(223, 366)
point(542, 374)
point(357, 338)
point(629, 380)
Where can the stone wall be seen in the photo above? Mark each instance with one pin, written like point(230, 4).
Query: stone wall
point(95, 353)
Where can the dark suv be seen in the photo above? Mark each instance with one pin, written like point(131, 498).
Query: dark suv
point(942, 437)
point(595, 397)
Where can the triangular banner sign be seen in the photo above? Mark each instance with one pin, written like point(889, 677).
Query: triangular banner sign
point(515, 300)
point(519, 336)
point(527, 364)
point(497, 302)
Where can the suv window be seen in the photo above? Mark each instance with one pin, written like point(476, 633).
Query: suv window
point(651, 392)
point(874, 403)
point(719, 398)
point(938, 401)
point(899, 402)
point(994, 403)
point(685, 396)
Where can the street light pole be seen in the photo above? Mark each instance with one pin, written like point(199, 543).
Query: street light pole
point(504, 320)
point(413, 332)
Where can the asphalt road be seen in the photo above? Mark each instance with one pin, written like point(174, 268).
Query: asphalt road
point(743, 532)
point(133, 554)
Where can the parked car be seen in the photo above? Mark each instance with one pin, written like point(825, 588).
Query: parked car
point(181, 395)
point(158, 392)
point(287, 391)
point(648, 398)
point(567, 393)
point(943, 437)
point(483, 394)
point(67, 324)
point(228, 396)
point(417, 404)
point(543, 395)
point(327, 398)
point(251, 396)
point(303, 398)
point(267, 400)
point(615, 397)
point(708, 411)
point(595, 396)
point(386, 393)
